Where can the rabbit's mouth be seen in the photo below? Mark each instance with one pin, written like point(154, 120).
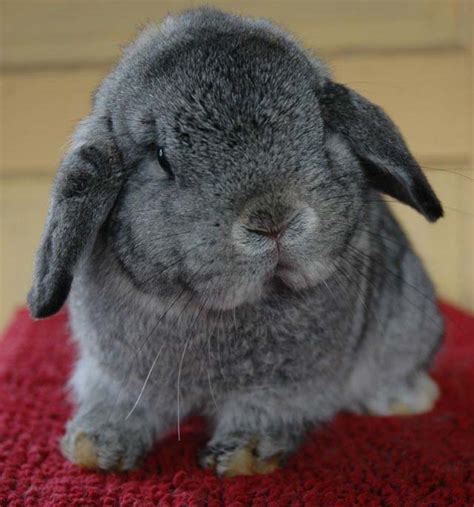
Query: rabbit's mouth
point(296, 276)
point(286, 274)
point(282, 270)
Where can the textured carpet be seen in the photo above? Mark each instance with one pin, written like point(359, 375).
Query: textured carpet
point(366, 461)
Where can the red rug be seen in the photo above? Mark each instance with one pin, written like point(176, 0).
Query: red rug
point(424, 461)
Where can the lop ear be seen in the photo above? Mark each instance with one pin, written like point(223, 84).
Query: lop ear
point(386, 160)
point(84, 191)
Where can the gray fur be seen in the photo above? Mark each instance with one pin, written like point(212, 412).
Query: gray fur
point(179, 300)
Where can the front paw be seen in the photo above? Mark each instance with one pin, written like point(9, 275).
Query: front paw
point(107, 447)
point(238, 456)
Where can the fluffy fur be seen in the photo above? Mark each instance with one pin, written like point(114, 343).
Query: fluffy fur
point(182, 301)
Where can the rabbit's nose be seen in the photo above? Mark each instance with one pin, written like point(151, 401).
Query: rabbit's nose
point(273, 233)
point(269, 224)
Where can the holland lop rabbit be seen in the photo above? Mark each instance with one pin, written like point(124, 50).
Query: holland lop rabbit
point(218, 226)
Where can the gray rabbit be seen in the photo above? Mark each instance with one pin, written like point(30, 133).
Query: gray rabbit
point(219, 228)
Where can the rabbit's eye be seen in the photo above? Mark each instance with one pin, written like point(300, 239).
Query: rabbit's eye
point(164, 163)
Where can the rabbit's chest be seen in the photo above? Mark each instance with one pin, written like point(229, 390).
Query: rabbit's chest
point(248, 351)
point(262, 356)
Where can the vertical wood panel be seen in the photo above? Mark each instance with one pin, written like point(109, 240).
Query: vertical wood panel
point(445, 245)
point(430, 93)
point(59, 32)
point(468, 261)
point(23, 205)
point(426, 94)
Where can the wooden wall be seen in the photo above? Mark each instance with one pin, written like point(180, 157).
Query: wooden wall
point(414, 57)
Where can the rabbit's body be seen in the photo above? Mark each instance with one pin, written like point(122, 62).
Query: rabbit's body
point(265, 367)
point(264, 285)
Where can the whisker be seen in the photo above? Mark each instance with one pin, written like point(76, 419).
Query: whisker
point(180, 259)
point(147, 337)
point(219, 357)
point(142, 390)
point(209, 335)
point(351, 198)
point(426, 297)
point(178, 390)
point(438, 169)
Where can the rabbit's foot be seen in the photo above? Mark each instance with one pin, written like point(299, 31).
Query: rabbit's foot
point(238, 455)
point(106, 448)
point(415, 397)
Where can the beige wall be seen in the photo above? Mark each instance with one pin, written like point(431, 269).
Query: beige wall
point(414, 57)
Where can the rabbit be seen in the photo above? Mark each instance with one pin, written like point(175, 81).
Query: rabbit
point(219, 228)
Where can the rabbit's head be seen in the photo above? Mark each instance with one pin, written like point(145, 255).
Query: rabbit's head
point(222, 160)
